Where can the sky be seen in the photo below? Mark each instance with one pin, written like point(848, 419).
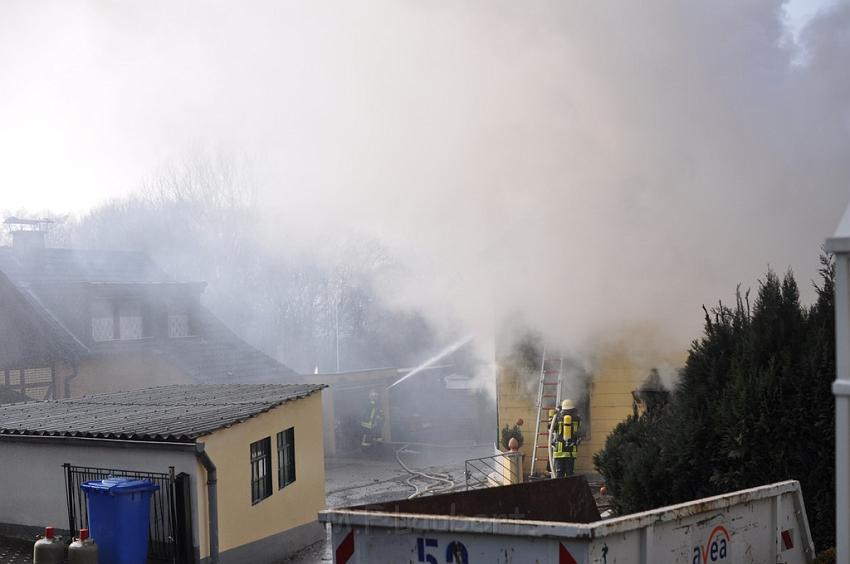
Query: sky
point(594, 169)
point(87, 109)
point(801, 11)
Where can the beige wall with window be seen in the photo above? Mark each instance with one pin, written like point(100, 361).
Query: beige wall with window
point(240, 521)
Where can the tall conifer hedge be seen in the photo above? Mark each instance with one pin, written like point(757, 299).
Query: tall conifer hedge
point(753, 405)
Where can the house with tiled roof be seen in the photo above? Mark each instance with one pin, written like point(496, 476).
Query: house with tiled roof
point(75, 322)
point(240, 467)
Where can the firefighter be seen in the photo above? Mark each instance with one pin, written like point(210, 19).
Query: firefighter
point(372, 423)
point(566, 437)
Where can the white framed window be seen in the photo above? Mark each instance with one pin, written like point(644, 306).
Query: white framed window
point(178, 325)
point(102, 321)
point(14, 378)
point(130, 323)
point(178, 319)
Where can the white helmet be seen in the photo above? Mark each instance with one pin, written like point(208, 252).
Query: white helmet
point(567, 404)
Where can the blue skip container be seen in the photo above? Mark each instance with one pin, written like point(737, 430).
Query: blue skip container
point(119, 511)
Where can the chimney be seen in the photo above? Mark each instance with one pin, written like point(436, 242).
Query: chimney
point(28, 234)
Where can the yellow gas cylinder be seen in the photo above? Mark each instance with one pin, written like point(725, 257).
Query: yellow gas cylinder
point(568, 427)
point(49, 549)
point(83, 550)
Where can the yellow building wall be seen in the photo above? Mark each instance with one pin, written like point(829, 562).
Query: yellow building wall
point(615, 376)
point(239, 521)
point(126, 371)
point(516, 401)
point(618, 369)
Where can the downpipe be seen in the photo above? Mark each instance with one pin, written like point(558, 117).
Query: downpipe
point(212, 498)
point(67, 383)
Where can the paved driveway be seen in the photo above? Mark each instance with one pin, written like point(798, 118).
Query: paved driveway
point(355, 481)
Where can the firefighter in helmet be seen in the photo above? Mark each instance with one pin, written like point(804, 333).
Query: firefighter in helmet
point(566, 436)
point(372, 423)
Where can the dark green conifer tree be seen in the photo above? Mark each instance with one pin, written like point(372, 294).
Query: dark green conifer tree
point(753, 405)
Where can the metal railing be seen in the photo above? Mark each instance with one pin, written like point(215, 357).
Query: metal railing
point(163, 525)
point(492, 471)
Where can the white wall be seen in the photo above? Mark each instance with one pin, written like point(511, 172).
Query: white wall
point(32, 480)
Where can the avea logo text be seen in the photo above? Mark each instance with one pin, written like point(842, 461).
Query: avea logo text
point(716, 549)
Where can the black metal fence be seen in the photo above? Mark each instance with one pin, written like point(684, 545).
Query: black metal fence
point(492, 471)
point(169, 529)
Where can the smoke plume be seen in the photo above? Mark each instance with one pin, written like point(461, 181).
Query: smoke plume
point(596, 169)
point(593, 168)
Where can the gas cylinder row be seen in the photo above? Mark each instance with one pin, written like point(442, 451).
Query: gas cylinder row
point(50, 549)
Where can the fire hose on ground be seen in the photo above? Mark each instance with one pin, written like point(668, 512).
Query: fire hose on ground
point(434, 488)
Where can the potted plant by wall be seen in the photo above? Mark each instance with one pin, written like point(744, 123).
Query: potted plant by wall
point(512, 432)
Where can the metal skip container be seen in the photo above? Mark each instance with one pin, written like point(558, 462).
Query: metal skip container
point(119, 513)
point(766, 524)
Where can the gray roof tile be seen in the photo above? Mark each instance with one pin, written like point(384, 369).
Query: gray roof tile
point(180, 413)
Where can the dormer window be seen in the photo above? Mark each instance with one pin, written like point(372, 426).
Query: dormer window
point(178, 321)
point(117, 320)
point(102, 321)
point(130, 321)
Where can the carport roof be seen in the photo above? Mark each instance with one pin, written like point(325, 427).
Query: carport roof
point(179, 413)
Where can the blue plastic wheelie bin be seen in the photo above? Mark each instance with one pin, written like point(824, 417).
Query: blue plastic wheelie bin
point(119, 512)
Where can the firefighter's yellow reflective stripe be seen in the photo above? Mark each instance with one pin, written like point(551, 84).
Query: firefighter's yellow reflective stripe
point(559, 451)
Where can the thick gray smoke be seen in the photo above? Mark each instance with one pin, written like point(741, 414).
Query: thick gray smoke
point(600, 169)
